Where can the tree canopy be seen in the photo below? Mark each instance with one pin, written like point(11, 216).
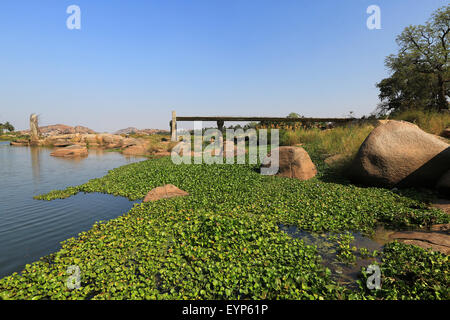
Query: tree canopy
point(294, 115)
point(6, 126)
point(420, 72)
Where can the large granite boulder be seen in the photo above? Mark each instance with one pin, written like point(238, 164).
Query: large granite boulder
point(136, 150)
point(400, 153)
point(437, 240)
point(20, 143)
point(164, 192)
point(293, 162)
point(70, 151)
point(91, 139)
point(62, 143)
point(126, 142)
point(56, 140)
point(111, 140)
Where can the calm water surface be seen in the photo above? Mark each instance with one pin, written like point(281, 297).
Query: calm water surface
point(30, 229)
point(343, 273)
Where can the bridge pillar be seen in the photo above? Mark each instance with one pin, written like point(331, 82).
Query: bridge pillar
point(173, 126)
point(220, 125)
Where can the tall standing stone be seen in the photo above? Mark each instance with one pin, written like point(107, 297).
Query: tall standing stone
point(34, 128)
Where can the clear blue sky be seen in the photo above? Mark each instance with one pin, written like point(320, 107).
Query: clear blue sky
point(133, 61)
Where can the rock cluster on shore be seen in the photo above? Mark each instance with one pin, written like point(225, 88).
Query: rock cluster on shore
point(67, 143)
point(128, 146)
point(68, 139)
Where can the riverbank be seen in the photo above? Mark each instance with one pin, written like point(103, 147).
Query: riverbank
point(224, 240)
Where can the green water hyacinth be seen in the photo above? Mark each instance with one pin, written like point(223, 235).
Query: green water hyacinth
point(222, 241)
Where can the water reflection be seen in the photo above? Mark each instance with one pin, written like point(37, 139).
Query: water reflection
point(35, 163)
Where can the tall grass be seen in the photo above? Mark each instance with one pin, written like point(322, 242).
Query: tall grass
point(344, 140)
point(347, 139)
point(429, 121)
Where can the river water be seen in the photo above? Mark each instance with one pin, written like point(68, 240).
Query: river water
point(30, 229)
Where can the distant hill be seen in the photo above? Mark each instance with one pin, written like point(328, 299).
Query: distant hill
point(133, 130)
point(127, 130)
point(56, 129)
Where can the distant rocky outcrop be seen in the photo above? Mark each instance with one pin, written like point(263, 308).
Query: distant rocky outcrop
point(399, 153)
point(133, 130)
point(128, 130)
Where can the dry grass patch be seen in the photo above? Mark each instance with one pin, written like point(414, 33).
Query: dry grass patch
point(429, 121)
point(344, 140)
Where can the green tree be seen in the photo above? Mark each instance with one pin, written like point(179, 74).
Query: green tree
point(420, 74)
point(294, 115)
point(6, 126)
point(251, 125)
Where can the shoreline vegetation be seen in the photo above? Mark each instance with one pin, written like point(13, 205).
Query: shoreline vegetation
point(224, 241)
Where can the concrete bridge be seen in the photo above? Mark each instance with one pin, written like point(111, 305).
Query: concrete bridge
point(221, 120)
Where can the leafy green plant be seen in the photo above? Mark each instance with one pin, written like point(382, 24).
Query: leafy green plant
point(221, 242)
point(410, 272)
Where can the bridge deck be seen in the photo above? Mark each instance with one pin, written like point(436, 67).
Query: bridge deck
point(178, 118)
